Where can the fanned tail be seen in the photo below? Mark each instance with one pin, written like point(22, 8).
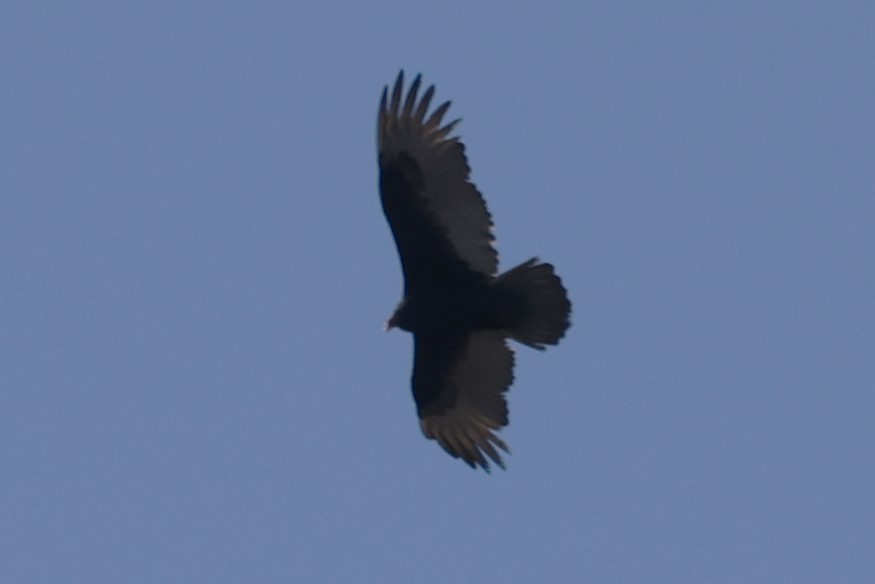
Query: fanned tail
point(541, 309)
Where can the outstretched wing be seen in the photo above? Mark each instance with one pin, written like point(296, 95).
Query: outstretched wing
point(436, 214)
point(459, 384)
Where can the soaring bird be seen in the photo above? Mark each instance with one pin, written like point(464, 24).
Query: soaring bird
point(460, 310)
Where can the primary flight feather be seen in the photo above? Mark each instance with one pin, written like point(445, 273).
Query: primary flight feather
point(460, 311)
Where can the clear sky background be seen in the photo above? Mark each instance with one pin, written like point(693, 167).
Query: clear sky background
point(194, 381)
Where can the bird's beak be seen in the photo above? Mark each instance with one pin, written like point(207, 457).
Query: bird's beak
point(395, 320)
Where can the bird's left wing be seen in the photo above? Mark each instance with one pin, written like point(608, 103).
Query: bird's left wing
point(435, 211)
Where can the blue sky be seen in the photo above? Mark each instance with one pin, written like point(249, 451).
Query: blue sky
point(194, 381)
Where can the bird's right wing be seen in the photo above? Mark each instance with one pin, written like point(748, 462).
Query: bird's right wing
point(459, 385)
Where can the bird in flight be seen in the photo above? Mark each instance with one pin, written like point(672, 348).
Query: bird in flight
point(460, 310)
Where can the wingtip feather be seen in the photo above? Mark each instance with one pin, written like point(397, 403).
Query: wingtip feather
point(396, 93)
point(411, 97)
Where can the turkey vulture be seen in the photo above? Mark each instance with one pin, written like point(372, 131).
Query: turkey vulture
point(459, 309)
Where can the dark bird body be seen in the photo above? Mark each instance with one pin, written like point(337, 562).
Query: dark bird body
point(457, 307)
